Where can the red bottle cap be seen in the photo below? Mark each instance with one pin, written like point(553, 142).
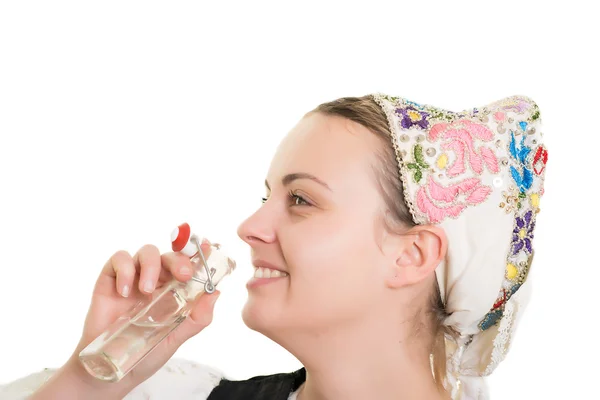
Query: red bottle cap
point(180, 240)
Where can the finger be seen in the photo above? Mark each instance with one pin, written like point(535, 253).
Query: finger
point(149, 261)
point(177, 265)
point(200, 317)
point(180, 266)
point(121, 267)
point(202, 310)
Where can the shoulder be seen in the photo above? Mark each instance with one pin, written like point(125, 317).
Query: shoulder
point(177, 379)
point(275, 386)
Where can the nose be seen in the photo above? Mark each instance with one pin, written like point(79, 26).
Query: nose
point(259, 227)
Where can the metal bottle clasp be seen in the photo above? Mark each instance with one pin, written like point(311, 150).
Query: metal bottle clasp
point(209, 287)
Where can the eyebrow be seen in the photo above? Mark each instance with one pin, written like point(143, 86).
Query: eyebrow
point(289, 178)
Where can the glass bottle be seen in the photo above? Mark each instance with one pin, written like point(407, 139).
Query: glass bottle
point(135, 334)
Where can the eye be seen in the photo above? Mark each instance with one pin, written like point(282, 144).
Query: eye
point(298, 200)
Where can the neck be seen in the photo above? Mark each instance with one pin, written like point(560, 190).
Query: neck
point(342, 364)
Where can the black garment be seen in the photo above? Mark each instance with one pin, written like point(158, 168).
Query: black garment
point(264, 387)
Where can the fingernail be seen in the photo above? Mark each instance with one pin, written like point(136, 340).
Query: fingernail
point(148, 287)
point(185, 271)
point(125, 291)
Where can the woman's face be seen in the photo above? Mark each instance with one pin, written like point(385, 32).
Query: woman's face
point(320, 224)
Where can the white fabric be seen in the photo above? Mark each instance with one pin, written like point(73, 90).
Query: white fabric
point(476, 174)
point(294, 395)
point(177, 379)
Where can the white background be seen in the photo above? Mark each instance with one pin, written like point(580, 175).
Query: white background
point(120, 120)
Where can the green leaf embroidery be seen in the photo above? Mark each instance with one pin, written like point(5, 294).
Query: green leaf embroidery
point(418, 152)
point(418, 175)
point(536, 114)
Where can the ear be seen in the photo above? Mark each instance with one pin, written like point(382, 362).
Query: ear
point(418, 254)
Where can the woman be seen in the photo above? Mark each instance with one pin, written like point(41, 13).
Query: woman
point(402, 236)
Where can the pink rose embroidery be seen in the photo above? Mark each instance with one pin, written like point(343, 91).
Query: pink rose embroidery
point(460, 137)
point(439, 202)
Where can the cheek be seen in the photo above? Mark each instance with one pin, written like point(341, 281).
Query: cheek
point(331, 257)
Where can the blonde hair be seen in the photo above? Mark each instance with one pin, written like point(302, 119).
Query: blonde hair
point(365, 111)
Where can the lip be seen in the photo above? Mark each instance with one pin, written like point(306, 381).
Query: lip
point(254, 282)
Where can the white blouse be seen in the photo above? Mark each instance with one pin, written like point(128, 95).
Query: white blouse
point(177, 379)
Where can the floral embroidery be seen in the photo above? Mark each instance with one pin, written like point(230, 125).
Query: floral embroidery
point(534, 200)
point(443, 115)
point(460, 137)
point(523, 125)
point(491, 319)
point(464, 159)
point(535, 114)
point(419, 163)
point(518, 278)
point(439, 201)
point(411, 116)
point(539, 160)
point(511, 271)
point(451, 171)
point(433, 113)
point(501, 299)
point(520, 106)
point(522, 176)
point(442, 161)
point(523, 233)
point(450, 205)
point(497, 311)
point(522, 173)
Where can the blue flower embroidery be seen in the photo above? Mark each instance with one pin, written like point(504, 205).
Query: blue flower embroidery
point(523, 179)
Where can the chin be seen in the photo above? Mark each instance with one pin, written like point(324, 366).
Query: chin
point(260, 316)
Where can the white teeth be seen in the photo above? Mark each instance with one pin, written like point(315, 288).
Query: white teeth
point(268, 273)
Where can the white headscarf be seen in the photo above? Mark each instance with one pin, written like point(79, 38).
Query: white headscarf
point(479, 174)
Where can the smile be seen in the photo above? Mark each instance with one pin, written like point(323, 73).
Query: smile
point(263, 276)
point(268, 273)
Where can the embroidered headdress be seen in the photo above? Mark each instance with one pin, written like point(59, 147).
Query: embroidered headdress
point(479, 174)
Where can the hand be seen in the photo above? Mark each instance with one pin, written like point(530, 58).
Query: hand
point(124, 281)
